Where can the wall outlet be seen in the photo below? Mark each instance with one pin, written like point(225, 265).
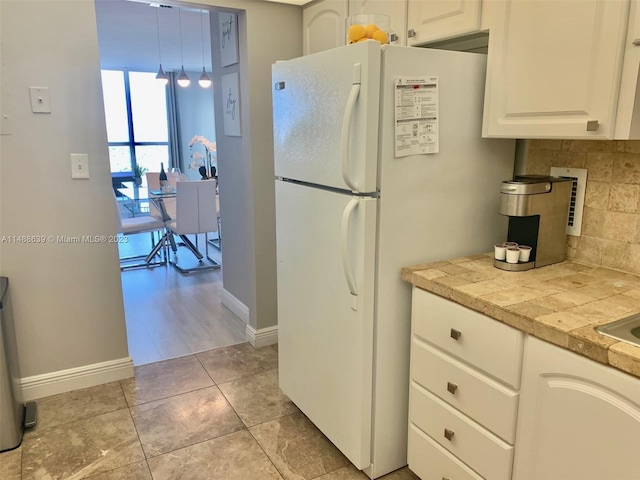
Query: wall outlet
point(576, 206)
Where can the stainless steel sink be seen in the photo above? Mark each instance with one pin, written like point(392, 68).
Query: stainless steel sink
point(627, 329)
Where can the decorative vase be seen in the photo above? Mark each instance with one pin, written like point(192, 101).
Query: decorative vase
point(137, 181)
point(203, 173)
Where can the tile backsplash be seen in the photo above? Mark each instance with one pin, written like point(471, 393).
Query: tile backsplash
point(611, 218)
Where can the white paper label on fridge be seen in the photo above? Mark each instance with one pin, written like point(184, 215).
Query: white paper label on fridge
point(416, 111)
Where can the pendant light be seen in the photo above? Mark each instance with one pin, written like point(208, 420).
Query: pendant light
point(204, 81)
point(183, 78)
point(161, 76)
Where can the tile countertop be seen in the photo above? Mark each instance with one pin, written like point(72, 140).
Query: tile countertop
point(560, 303)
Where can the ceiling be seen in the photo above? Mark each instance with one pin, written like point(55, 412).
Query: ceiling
point(128, 36)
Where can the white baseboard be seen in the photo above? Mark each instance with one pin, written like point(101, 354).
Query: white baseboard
point(38, 386)
point(262, 337)
point(238, 308)
point(257, 338)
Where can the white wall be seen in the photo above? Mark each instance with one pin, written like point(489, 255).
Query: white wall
point(195, 117)
point(67, 298)
point(269, 32)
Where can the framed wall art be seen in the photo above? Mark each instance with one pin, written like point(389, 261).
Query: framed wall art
point(231, 104)
point(228, 38)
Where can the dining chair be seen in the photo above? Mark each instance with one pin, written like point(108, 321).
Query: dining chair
point(196, 213)
point(136, 225)
point(153, 183)
point(217, 241)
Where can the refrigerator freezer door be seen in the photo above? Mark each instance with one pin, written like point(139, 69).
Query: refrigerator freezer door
point(325, 117)
point(325, 333)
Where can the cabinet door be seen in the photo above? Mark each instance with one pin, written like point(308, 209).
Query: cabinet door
point(323, 25)
point(554, 68)
point(578, 419)
point(396, 10)
point(442, 19)
point(628, 114)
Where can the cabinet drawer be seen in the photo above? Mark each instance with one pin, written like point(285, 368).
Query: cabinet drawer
point(477, 447)
point(483, 399)
point(478, 340)
point(430, 461)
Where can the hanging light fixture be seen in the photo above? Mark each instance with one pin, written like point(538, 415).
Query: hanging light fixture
point(161, 76)
point(183, 78)
point(204, 81)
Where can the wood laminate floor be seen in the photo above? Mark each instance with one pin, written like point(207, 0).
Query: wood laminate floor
point(170, 314)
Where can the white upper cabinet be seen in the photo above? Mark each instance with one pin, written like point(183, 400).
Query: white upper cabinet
point(628, 115)
point(323, 25)
point(396, 10)
point(429, 20)
point(578, 419)
point(554, 68)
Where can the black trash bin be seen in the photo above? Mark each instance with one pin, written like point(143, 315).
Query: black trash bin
point(15, 415)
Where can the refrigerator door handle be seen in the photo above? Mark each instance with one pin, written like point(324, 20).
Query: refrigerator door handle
point(346, 241)
point(346, 124)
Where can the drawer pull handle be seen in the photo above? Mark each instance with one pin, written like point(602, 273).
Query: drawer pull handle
point(448, 434)
point(445, 478)
point(452, 388)
point(455, 334)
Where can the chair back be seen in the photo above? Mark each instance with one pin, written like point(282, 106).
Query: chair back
point(196, 207)
point(153, 180)
point(153, 183)
point(173, 178)
point(207, 206)
point(117, 212)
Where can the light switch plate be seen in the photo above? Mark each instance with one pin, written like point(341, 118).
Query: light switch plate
point(79, 166)
point(40, 101)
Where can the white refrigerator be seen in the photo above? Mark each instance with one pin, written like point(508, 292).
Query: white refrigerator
point(354, 205)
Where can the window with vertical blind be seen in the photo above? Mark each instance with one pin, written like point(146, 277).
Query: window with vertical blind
point(137, 124)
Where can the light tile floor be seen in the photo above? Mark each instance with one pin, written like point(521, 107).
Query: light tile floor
point(217, 414)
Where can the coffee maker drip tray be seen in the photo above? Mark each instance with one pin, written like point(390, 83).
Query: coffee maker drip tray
point(513, 267)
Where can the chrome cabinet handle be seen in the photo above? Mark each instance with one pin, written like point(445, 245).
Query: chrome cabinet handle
point(636, 42)
point(455, 334)
point(393, 37)
point(411, 33)
point(448, 434)
point(592, 125)
point(452, 388)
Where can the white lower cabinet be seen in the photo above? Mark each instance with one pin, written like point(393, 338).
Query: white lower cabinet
point(432, 462)
point(490, 402)
point(578, 419)
point(463, 403)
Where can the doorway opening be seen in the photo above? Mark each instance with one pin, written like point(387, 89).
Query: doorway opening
point(168, 314)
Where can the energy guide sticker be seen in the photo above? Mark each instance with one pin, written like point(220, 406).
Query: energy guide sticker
point(416, 115)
